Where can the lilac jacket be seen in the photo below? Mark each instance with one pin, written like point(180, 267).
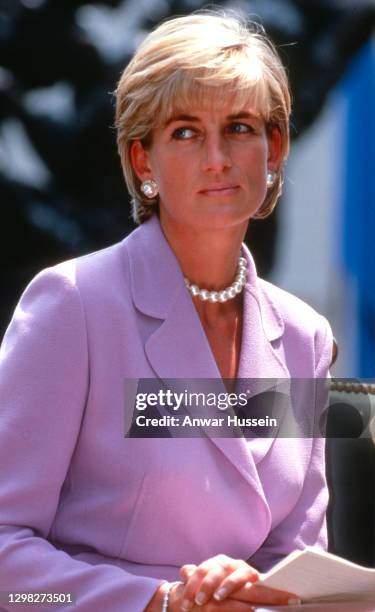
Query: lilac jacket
point(86, 511)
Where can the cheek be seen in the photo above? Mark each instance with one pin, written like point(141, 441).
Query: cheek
point(253, 159)
point(259, 156)
point(174, 175)
point(171, 184)
point(173, 190)
point(254, 170)
point(168, 171)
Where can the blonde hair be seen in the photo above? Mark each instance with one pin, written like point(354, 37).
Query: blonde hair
point(202, 59)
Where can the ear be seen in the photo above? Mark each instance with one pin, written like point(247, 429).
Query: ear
point(274, 149)
point(140, 160)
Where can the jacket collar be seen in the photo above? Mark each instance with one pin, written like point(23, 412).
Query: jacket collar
point(157, 280)
point(272, 322)
point(155, 275)
point(178, 349)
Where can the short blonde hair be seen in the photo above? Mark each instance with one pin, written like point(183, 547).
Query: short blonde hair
point(202, 59)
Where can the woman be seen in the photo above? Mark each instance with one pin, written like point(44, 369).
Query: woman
point(202, 116)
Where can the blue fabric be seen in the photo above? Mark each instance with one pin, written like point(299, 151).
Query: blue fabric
point(359, 200)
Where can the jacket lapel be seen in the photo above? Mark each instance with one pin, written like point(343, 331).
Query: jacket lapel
point(262, 373)
point(179, 350)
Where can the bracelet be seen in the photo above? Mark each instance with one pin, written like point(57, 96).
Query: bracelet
point(166, 595)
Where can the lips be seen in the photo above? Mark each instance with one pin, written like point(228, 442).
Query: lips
point(223, 189)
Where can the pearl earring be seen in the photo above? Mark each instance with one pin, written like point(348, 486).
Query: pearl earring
point(271, 178)
point(150, 188)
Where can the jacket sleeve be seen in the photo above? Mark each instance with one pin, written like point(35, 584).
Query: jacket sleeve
point(306, 523)
point(44, 378)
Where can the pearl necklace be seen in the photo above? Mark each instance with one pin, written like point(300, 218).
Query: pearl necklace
point(226, 294)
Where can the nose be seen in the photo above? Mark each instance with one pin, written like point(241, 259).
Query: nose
point(216, 154)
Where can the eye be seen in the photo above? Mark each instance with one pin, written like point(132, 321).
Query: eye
point(240, 128)
point(183, 133)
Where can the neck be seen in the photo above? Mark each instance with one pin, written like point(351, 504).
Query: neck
point(209, 259)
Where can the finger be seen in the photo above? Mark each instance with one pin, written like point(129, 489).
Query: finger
point(220, 581)
point(219, 584)
point(234, 581)
point(229, 605)
point(212, 571)
point(209, 584)
point(257, 593)
point(186, 571)
point(211, 575)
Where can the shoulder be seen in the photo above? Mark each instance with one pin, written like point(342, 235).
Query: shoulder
point(99, 270)
point(303, 325)
point(292, 309)
point(67, 292)
point(102, 266)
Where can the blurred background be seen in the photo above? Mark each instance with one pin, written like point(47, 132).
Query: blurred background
point(61, 187)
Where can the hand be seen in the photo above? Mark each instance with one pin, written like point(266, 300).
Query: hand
point(216, 577)
point(177, 596)
point(259, 594)
point(221, 577)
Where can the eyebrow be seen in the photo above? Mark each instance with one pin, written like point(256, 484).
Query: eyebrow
point(185, 117)
point(243, 115)
point(180, 117)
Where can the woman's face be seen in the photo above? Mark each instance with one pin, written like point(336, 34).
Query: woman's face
point(210, 166)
